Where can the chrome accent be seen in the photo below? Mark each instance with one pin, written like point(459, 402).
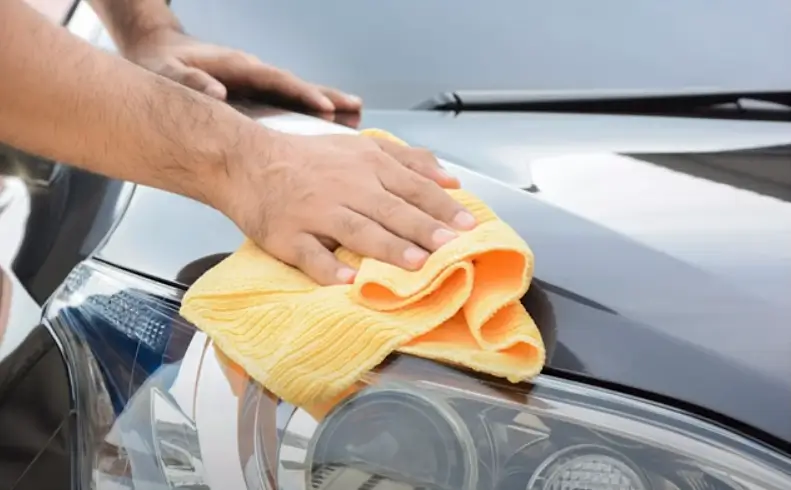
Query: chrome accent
point(176, 444)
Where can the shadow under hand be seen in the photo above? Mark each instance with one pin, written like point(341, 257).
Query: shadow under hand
point(259, 108)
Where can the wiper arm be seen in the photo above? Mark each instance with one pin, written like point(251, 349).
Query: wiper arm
point(760, 104)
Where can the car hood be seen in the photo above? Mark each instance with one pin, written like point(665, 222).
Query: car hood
point(663, 264)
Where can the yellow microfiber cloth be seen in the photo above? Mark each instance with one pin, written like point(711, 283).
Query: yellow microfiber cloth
point(308, 344)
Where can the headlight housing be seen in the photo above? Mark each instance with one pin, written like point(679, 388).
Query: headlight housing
point(158, 407)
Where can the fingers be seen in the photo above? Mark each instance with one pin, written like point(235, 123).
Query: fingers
point(404, 220)
point(420, 160)
point(368, 238)
point(306, 253)
point(343, 102)
point(253, 73)
point(293, 87)
point(348, 119)
point(426, 195)
point(198, 80)
point(245, 70)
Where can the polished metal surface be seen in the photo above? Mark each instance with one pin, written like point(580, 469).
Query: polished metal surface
point(658, 278)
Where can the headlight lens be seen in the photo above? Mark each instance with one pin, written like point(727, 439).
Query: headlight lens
point(411, 424)
point(124, 344)
point(392, 435)
point(459, 433)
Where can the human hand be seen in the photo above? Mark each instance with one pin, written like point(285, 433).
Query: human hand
point(214, 70)
point(310, 193)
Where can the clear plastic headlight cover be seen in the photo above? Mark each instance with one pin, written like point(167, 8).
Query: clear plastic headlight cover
point(159, 407)
point(125, 347)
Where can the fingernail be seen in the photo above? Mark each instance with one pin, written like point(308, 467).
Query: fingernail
point(346, 275)
point(354, 99)
point(415, 256)
point(442, 236)
point(464, 220)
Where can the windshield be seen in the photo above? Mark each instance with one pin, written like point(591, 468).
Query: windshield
point(396, 54)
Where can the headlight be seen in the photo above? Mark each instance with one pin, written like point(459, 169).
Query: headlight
point(125, 346)
point(425, 433)
point(397, 434)
point(174, 414)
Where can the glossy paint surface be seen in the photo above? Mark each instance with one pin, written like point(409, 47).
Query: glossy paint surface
point(658, 279)
point(398, 54)
point(54, 216)
point(662, 263)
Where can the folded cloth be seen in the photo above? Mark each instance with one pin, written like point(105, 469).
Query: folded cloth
point(308, 344)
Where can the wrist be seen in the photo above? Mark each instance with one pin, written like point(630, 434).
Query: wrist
point(137, 39)
point(133, 22)
point(231, 146)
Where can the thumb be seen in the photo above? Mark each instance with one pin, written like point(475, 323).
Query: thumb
point(201, 81)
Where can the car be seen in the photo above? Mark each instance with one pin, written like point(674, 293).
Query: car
point(660, 220)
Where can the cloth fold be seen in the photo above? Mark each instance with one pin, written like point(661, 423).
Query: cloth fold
point(309, 344)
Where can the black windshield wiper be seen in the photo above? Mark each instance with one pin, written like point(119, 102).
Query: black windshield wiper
point(718, 103)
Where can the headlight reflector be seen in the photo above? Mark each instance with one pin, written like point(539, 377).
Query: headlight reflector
point(587, 467)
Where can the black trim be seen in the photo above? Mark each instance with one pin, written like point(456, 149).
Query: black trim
point(70, 12)
point(726, 104)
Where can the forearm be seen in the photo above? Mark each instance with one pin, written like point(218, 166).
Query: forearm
point(130, 20)
point(63, 99)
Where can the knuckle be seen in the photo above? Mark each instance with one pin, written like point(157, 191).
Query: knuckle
point(377, 157)
point(351, 226)
point(192, 79)
point(241, 58)
point(385, 145)
point(388, 246)
point(305, 254)
point(301, 254)
point(418, 189)
point(282, 75)
point(424, 157)
point(390, 209)
point(167, 70)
